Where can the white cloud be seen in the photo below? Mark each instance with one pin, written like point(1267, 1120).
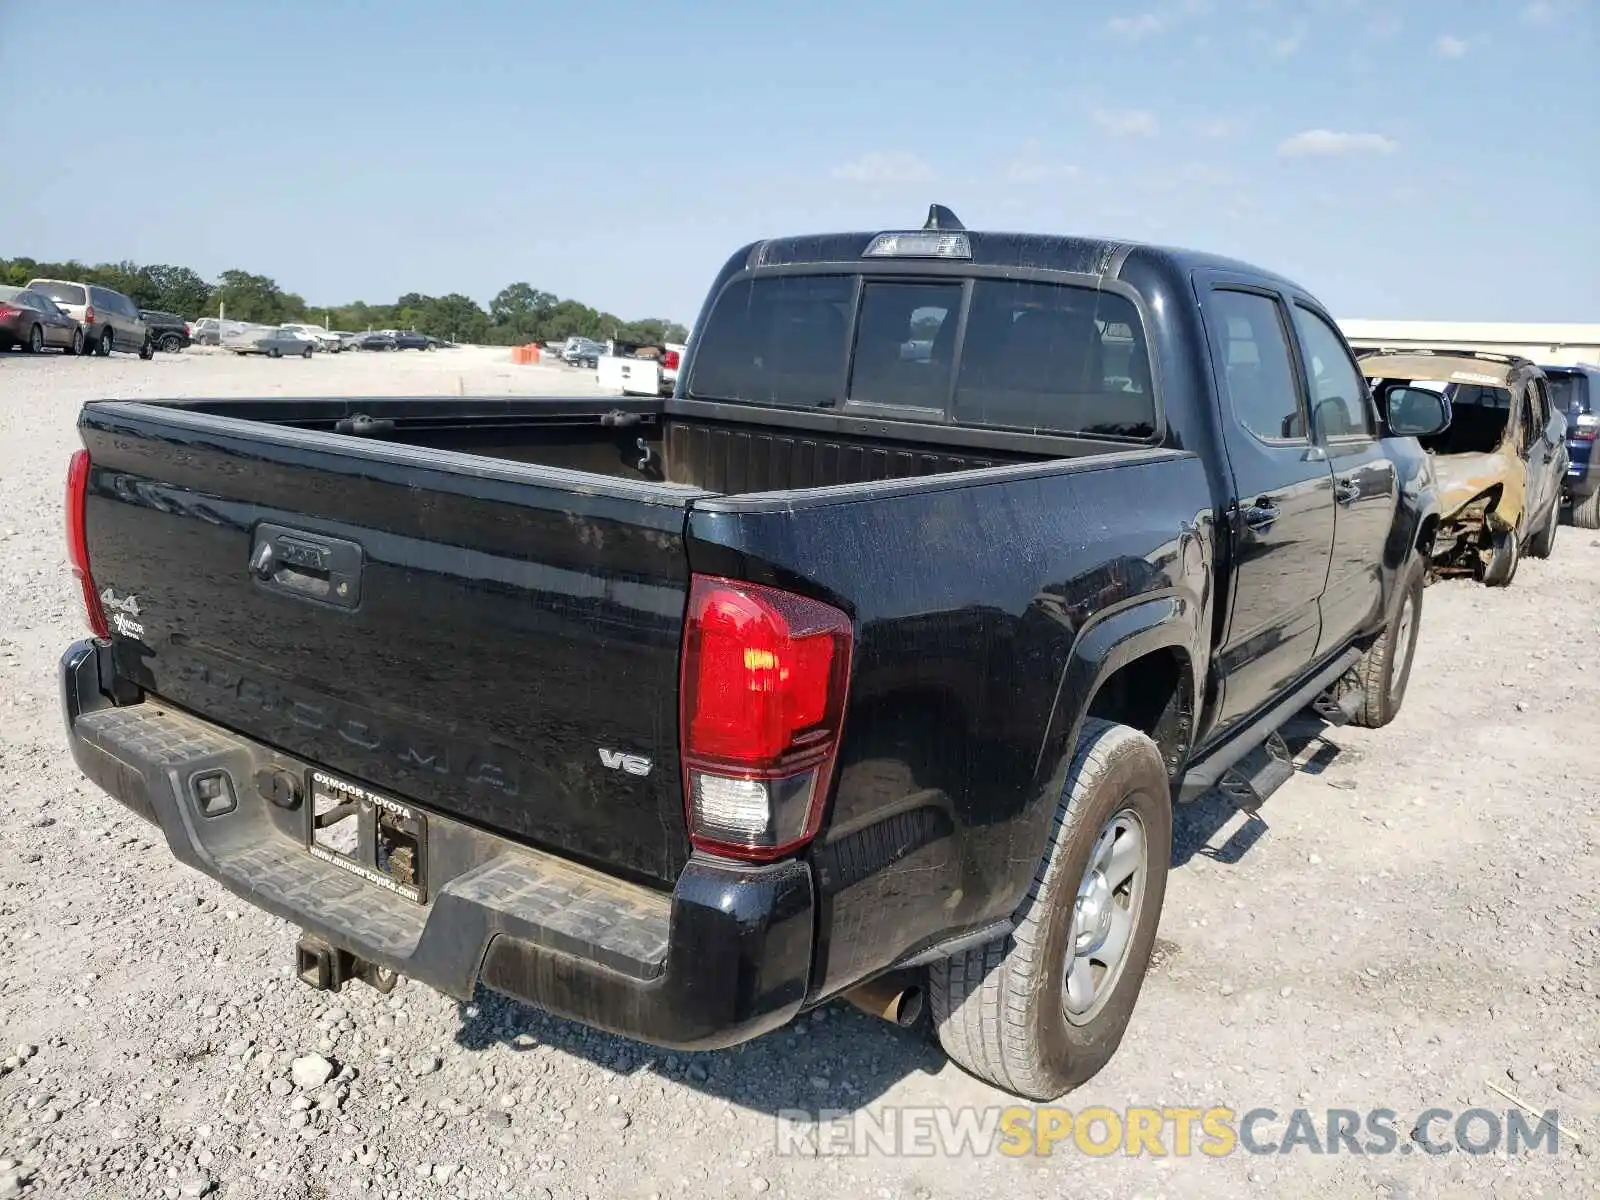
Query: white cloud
point(1035, 170)
point(1218, 128)
point(1140, 25)
point(1540, 12)
point(1127, 122)
point(1323, 142)
point(1289, 46)
point(885, 167)
point(1384, 26)
point(1450, 46)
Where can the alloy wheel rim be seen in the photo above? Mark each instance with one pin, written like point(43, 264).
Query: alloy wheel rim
point(1105, 913)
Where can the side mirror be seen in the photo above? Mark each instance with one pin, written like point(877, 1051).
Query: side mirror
point(1414, 412)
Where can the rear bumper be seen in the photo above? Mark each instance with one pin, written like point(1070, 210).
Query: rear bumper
point(723, 958)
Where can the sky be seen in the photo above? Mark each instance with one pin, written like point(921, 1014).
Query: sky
point(1428, 159)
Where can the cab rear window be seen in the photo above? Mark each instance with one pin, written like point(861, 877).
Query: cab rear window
point(1036, 357)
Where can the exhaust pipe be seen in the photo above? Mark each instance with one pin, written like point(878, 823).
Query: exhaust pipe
point(892, 999)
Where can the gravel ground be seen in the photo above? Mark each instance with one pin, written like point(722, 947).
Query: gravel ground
point(1412, 918)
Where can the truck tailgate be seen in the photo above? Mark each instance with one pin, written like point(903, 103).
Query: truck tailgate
point(492, 640)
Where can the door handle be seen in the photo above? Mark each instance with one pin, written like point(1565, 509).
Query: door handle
point(1346, 491)
point(1261, 514)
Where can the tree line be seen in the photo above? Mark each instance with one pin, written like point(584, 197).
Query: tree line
point(519, 313)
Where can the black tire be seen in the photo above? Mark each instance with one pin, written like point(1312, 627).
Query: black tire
point(35, 341)
point(274, 353)
point(1000, 1010)
point(1586, 512)
point(148, 350)
point(103, 346)
point(1542, 543)
point(1385, 669)
point(170, 343)
point(306, 353)
point(1504, 559)
point(75, 347)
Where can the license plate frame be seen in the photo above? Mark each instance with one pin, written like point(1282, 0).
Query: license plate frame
point(372, 835)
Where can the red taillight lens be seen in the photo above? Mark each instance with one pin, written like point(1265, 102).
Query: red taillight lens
point(763, 686)
point(7, 312)
point(88, 315)
point(78, 542)
point(669, 360)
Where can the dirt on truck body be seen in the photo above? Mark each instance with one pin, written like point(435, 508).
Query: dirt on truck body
point(1498, 466)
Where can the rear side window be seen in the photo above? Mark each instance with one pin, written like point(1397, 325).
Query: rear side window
point(1247, 330)
point(780, 340)
point(1054, 358)
point(61, 293)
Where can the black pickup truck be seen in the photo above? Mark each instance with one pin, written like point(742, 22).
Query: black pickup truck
point(870, 664)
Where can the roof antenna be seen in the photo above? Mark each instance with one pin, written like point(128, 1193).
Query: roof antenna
point(940, 217)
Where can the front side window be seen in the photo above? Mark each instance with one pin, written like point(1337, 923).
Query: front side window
point(1338, 395)
point(1054, 358)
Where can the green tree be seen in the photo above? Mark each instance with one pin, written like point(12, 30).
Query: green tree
point(254, 298)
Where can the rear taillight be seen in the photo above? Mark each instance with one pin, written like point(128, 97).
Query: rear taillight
point(669, 360)
point(763, 685)
point(78, 542)
point(88, 315)
point(1585, 428)
point(188, 329)
point(7, 312)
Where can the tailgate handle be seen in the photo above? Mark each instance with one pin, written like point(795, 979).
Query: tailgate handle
point(307, 566)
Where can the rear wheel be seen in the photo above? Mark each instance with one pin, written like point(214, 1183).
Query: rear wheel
point(148, 350)
point(1542, 543)
point(306, 353)
point(274, 353)
point(1385, 668)
point(35, 340)
point(1041, 1011)
point(76, 347)
point(103, 346)
point(1586, 511)
point(171, 343)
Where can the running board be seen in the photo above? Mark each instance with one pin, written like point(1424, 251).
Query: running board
point(1258, 774)
point(1206, 773)
point(1340, 708)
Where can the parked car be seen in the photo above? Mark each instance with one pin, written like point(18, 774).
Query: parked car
point(1574, 392)
point(321, 339)
point(274, 343)
point(1501, 462)
point(376, 340)
point(169, 332)
point(212, 331)
point(110, 320)
point(35, 322)
point(410, 339)
point(582, 352)
point(671, 357)
point(668, 743)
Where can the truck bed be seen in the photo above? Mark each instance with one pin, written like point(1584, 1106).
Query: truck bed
point(708, 448)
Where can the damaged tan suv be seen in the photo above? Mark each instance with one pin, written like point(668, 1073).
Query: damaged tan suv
point(1499, 464)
